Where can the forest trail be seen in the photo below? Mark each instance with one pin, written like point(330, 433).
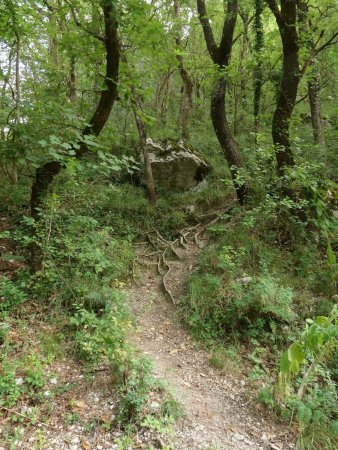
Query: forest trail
point(217, 411)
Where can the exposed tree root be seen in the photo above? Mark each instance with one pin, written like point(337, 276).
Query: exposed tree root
point(163, 249)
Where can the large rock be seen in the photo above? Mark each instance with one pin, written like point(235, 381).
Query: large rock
point(175, 166)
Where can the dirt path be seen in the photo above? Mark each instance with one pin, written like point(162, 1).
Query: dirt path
point(218, 413)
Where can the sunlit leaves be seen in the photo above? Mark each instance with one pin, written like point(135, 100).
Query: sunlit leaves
point(315, 341)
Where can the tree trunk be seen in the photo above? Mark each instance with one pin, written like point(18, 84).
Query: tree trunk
point(186, 78)
point(53, 43)
point(258, 72)
point(316, 119)
point(72, 80)
point(144, 147)
point(165, 91)
point(236, 96)
point(6, 79)
point(17, 80)
point(285, 105)
point(186, 109)
point(220, 55)
point(45, 174)
point(313, 85)
point(241, 102)
point(224, 135)
point(287, 23)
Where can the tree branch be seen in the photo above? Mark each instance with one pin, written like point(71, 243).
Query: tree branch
point(315, 51)
point(79, 24)
point(207, 30)
point(272, 4)
point(327, 44)
point(228, 30)
point(302, 99)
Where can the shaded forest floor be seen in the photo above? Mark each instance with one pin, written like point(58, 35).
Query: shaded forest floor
point(78, 406)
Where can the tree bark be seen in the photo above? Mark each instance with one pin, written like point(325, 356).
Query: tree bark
point(286, 19)
point(224, 135)
point(220, 55)
point(186, 78)
point(144, 147)
point(316, 118)
point(72, 80)
point(240, 98)
point(45, 174)
point(258, 72)
point(313, 84)
point(6, 79)
point(17, 79)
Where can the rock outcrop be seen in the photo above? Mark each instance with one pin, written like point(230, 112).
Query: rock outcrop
point(175, 166)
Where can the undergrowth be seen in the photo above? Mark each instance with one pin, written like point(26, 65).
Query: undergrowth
point(263, 274)
point(87, 245)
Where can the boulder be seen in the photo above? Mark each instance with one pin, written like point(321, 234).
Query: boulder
point(175, 166)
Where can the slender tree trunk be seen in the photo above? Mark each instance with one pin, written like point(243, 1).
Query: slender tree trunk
point(165, 91)
point(17, 79)
point(186, 109)
point(53, 50)
point(258, 72)
point(186, 78)
point(45, 174)
point(242, 100)
point(224, 135)
point(4, 88)
point(235, 113)
point(72, 80)
point(316, 118)
point(14, 168)
point(144, 147)
point(313, 85)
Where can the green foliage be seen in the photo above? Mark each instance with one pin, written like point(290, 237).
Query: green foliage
point(308, 367)
point(314, 344)
point(266, 397)
point(134, 392)
point(137, 407)
point(257, 310)
point(102, 338)
point(21, 378)
point(11, 295)
point(10, 391)
point(268, 265)
point(223, 357)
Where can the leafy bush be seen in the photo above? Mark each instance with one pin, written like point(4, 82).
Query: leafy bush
point(203, 306)
point(307, 373)
point(259, 306)
point(21, 377)
point(259, 309)
point(103, 338)
point(11, 295)
point(134, 392)
point(10, 391)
